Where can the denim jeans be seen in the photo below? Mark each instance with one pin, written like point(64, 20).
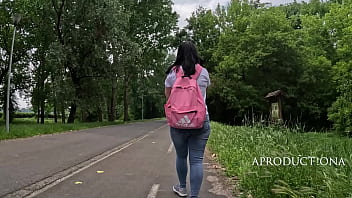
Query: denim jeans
point(190, 141)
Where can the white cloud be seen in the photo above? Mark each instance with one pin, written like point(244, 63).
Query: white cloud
point(185, 7)
point(278, 2)
point(184, 12)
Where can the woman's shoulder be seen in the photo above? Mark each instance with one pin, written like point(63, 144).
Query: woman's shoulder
point(204, 72)
point(204, 77)
point(171, 74)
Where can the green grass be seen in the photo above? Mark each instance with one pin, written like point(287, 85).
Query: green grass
point(237, 147)
point(27, 127)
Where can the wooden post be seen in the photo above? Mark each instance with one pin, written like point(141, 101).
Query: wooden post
point(275, 98)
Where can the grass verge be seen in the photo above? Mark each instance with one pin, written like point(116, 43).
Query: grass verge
point(238, 147)
point(27, 127)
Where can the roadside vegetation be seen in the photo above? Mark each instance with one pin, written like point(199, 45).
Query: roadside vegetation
point(238, 147)
point(28, 127)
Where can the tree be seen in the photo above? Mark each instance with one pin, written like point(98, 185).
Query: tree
point(151, 29)
point(204, 28)
point(316, 90)
point(21, 53)
point(40, 39)
point(257, 54)
point(88, 31)
point(340, 30)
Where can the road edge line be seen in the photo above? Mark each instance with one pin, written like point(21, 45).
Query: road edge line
point(153, 191)
point(41, 186)
point(170, 148)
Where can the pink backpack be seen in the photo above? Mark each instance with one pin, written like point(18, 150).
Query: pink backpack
point(185, 108)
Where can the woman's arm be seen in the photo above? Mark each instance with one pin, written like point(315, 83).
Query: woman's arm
point(167, 92)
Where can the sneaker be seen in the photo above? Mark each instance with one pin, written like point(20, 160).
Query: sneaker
point(182, 192)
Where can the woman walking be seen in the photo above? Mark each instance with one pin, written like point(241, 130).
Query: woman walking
point(190, 142)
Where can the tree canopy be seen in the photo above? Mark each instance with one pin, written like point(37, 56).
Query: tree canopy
point(96, 60)
point(302, 49)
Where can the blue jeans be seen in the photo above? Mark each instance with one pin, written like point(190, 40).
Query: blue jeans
point(190, 141)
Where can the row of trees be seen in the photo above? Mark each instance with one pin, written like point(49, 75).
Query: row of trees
point(106, 59)
point(304, 49)
point(95, 59)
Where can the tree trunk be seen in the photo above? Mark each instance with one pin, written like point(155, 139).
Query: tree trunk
point(112, 106)
point(55, 113)
point(71, 117)
point(76, 84)
point(42, 111)
point(38, 113)
point(100, 115)
point(4, 105)
point(125, 101)
point(63, 113)
point(41, 99)
point(84, 115)
point(55, 101)
point(11, 109)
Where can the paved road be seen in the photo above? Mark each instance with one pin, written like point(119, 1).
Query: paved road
point(125, 161)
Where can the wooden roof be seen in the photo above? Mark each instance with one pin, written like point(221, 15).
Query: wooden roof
point(274, 94)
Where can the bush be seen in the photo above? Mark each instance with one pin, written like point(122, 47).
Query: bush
point(341, 115)
point(341, 111)
point(24, 115)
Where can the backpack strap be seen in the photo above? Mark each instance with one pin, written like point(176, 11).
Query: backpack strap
point(196, 75)
point(198, 71)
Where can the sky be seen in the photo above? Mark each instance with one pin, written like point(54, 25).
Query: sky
point(185, 7)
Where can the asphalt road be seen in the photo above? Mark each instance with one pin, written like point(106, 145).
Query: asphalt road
point(135, 160)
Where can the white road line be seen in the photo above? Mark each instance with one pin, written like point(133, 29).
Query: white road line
point(43, 185)
point(170, 148)
point(154, 191)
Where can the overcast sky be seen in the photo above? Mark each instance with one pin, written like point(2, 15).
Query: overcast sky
point(185, 7)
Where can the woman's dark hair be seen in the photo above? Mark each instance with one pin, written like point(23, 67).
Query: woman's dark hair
point(187, 56)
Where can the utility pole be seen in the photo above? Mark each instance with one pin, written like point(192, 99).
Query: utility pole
point(16, 20)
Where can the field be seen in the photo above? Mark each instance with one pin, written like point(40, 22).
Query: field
point(240, 149)
point(27, 127)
